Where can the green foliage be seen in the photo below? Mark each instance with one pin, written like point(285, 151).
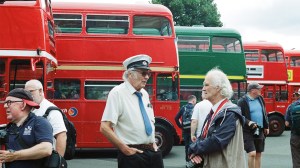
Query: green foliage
point(193, 12)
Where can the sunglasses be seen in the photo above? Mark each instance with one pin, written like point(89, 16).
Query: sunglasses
point(144, 73)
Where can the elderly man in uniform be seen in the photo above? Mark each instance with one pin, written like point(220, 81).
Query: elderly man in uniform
point(29, 137)
point(221, 141)
point(129, 113)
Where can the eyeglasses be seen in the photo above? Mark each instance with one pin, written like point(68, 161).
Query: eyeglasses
point(9, 102)
point(144, 73)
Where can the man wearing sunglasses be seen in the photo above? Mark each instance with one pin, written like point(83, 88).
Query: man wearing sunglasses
point(29, 138)
point(128, 118)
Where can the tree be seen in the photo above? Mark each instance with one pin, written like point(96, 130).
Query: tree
point(193, 12)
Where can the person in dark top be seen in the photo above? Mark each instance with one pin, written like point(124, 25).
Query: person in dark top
point(257, 126)
point(220, 144)
point(295, 138)
point(186, 130)
point(29, 137)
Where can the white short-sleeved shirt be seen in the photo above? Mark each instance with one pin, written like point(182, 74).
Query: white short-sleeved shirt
point(55, 118)
point(123, 110)
point(200, 112)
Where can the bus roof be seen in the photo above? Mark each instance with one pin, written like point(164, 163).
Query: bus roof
point(111, 8)
point(261, 45)
point(292, 53)
point(194, 30)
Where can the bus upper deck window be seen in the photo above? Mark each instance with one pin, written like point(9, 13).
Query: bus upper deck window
point(151, 26)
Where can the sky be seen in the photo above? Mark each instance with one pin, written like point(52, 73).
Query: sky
point(265, 20)
point(256, 20)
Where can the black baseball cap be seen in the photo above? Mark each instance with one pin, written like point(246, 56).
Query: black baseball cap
point(25, 95)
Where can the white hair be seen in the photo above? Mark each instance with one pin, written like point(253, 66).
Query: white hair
point(125, 74)
point(219, 79)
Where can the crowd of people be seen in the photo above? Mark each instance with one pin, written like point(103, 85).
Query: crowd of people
point(221, 131)
point(216, 132)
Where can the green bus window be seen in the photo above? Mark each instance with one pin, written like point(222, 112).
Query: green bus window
point(68, 23)
point(186, 91)
point(107, 24)
point(66, 89)
point(226, 44)
point(193, 43)
point(151, 26)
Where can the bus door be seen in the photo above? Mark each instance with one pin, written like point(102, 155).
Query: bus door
point(3, 79)
point(166, 94)
point(165, 101)
point(281, 98)
point(293, 93)
point(268, 93)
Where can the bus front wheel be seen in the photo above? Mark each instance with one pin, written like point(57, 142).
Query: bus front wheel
point(163, 139)
point(276, 125)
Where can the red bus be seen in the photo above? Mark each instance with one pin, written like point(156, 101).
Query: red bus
point(266, 65)
point(92, 42)
point(292, 58)
point(27, 45)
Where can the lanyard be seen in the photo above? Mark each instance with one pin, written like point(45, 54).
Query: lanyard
point(208, 123)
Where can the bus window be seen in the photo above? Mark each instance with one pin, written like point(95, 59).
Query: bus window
point(2, 73)
point(251, 55)
point(107, 24)
point(167, 88)
point(21, 71)
point(50, 30)
point(272, 56)
point(98, 90)
point(186, 91)
point(193, 43)
point(239, 90)
point(151, 26)
point(225, 44)
point(295, 61)
point(149, 87)
point(66, 89)
point(281, 93)
point(68, 23)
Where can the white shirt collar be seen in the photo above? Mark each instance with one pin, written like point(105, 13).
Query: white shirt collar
point(215, 107)
point(130, 87)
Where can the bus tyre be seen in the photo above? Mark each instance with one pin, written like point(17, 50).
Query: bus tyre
point(276, 125)
point(163, 139)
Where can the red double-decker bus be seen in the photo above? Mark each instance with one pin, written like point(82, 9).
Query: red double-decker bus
point(266, 65)
point(292, 58)
point(92, 42)
point(27, 45)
